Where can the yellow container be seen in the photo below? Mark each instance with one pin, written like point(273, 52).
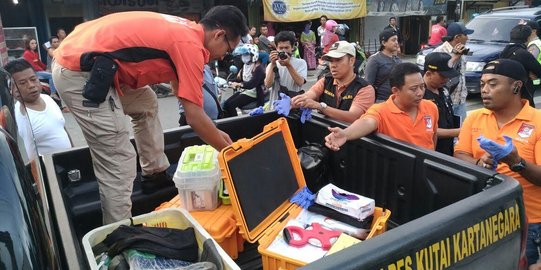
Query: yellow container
point(219, 223)
point(273, 177)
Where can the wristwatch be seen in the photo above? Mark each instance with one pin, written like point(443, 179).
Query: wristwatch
point(518, 167)
point(323, 106)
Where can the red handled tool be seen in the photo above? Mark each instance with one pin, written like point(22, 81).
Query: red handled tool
point(315, 235)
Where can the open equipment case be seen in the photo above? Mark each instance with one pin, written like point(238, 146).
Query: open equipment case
point(261, 175)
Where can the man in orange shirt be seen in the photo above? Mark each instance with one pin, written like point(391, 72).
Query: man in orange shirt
point(506, 114)
point(103, 69)
point(405, 115)
point(341, 95)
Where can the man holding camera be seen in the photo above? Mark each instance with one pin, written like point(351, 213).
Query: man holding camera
point(517, 50)
point(292, 71)
point(457, 36)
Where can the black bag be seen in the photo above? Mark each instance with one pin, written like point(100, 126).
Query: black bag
point(101, 79)
point(314, 160)
point(165, 242)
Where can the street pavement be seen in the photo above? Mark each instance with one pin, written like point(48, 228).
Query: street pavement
point(168, 110)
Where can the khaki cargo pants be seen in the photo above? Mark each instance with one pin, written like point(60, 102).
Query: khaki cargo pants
point(107, 135)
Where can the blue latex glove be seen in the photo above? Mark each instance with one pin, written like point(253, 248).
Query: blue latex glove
point(497, 151)
point(283, 106)
point(304, 198)
point(257, 111)
point(306, 114)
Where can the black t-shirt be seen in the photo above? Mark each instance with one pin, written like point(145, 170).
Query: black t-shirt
point(446, 118)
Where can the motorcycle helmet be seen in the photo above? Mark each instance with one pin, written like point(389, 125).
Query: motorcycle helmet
point(330, 24)
point(251, 49)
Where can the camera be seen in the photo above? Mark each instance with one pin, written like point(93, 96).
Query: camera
point(282, 55)
point(465, 51)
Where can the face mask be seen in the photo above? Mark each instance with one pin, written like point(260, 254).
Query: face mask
point(246, 59)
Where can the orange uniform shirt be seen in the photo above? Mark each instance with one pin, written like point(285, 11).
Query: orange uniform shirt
point(398, 124)
point(525, 130)
point(149, 48)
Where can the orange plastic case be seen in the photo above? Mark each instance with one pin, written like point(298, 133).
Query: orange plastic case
point(219, 223)
point(266, 152)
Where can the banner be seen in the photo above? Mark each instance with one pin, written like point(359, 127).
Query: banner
point(303, 10)
point(172, 7)
point(406, 7)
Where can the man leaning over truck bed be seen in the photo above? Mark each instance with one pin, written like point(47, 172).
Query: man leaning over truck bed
point(405, 115)
point(506, 114)
point(102, 71)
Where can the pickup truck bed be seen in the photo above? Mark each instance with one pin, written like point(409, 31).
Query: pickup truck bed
point(445, 213)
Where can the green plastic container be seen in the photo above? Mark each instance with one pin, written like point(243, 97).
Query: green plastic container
point(198, 178)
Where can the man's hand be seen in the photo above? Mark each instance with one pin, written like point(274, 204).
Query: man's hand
point(235, 85)
point(285, 62)
point(486, 161)
point(273, 56)
point(513, 157)
point(303, 101)
point(225, 136)
point(336, 139)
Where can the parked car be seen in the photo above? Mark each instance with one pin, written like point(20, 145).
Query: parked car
point(491, 35)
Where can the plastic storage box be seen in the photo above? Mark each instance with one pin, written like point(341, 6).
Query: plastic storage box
point(261, 204)
point(197, 178)
point(169, 218)
point(219, 223)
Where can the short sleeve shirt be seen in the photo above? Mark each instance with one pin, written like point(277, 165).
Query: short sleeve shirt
point(396, 123)
point(525, 130)
point(286, 80)
point(144, 54)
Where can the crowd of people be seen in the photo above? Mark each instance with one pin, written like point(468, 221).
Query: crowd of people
point(103, 68)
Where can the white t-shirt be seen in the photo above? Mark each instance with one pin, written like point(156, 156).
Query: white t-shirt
point(285, 78)
point(48, 126)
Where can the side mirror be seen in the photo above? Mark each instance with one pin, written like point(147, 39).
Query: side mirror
point(233, 69)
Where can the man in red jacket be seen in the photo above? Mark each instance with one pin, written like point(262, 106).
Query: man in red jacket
point(119, 55)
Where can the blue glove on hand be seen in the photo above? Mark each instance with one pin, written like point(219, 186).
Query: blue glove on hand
point(304, 198)
point(257, 111)
point(283, 106)
point(496, 150)
point(306, 114)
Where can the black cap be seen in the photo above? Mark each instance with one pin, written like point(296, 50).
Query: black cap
point(532, 24)
point(386, 34)
point(439, 62)
point(508, 68)
point(454, 29)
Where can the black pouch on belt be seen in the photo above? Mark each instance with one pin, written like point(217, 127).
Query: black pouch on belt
point(102, 75)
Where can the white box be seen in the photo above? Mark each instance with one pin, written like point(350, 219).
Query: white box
point(197, 178)
point(168, 218)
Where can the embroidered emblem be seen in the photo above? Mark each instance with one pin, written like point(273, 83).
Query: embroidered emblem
point(525, 130)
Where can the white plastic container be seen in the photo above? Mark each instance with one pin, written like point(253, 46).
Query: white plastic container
point(197, 178)
point(168, 218)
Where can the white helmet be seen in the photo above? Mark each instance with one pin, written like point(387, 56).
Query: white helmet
point(251, 49)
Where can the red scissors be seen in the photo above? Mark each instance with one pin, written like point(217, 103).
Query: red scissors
point(309, 235)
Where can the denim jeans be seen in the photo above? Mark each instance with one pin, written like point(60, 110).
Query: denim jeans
point(460, 110)
point(47, 76)
point(532, 242)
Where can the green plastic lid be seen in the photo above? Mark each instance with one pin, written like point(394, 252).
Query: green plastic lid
point(198, 158)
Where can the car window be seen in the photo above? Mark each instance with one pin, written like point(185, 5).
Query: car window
point(485, 29)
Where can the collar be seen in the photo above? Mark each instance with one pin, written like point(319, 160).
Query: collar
point(526, 113)
point(201, 33)
point(447, 46)
point(346, 84)
point(392, 107)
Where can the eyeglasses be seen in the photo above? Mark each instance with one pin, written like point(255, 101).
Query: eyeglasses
point(228, 45)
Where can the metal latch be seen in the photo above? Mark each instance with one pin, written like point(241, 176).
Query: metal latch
point(74, 175)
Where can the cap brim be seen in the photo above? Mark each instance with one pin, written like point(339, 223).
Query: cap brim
point(449, 73)
point(468, 31)
point(334, 54)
